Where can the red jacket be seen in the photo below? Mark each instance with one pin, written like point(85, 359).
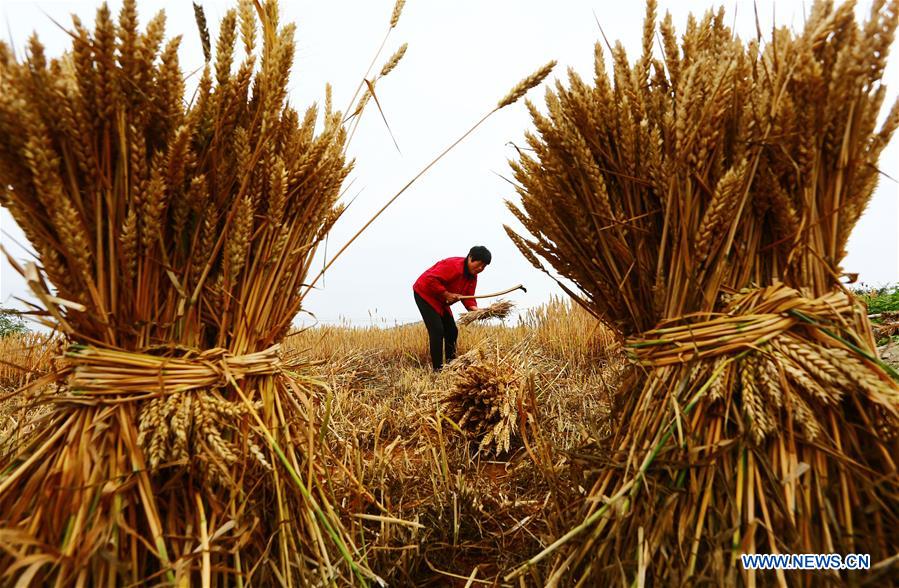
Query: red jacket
point(447, 275)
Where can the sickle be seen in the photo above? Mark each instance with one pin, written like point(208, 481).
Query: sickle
point(512, 289)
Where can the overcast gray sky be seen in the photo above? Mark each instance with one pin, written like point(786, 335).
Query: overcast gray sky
point(463, 56)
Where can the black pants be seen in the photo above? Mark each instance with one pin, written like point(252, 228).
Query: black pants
point(441, 330)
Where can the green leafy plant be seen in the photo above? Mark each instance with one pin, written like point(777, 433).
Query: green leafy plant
point(879, 299)
point(11, 323)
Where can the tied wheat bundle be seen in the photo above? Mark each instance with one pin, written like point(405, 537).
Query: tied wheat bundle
point(488, 395)
point(499, 309)
point(701, 202)
point(887, 325)
point(179, 447)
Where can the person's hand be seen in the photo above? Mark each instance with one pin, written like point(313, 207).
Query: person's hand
point(452, 298)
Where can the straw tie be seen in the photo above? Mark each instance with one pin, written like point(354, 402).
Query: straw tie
point(772, 336)
point(748, 320)
point(98, 371)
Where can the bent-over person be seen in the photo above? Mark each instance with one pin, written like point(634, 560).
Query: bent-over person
point(446, 282)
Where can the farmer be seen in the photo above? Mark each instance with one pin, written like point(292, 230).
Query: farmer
point(444, 284)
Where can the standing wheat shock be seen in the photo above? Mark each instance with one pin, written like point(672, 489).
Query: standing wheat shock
point(175, 232)
point(700, 200)
point(487, 396)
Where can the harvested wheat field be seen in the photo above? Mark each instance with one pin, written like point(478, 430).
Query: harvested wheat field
point(702, 385)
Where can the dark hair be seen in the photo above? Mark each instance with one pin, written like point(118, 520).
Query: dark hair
point(480, 253)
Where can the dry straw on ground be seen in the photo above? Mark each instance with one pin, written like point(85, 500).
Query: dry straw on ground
point(464, 507)
point(701, 201)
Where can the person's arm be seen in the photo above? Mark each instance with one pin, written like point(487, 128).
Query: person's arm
point(452, 298)
point(471, 303)
point(436, 281)
point(436, 286)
